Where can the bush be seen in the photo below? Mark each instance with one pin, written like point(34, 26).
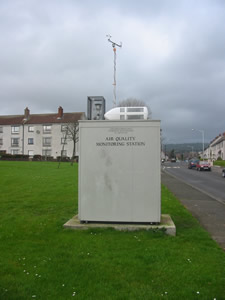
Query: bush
point(7, 156)
point(43, 158)
point(37, 157)
point(21, 156)
point(63, 158)
point(48, 158)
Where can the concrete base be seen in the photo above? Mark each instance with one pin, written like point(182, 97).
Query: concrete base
point(165, 224)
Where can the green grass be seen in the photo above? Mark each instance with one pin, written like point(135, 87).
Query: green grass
point(41, 260)
point(220, 163)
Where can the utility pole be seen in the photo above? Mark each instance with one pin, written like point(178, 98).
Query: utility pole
point(165, 153)
point(114, 45)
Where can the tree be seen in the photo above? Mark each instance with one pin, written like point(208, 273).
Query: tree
point(71, 131)
point(172, 154)
point(135, 102)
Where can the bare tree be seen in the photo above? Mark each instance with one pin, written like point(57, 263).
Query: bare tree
point(70, 134)
point(135, 102)
point(72, 130)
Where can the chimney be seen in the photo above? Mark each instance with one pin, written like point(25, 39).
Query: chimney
point(26, 113)
point(60, 112)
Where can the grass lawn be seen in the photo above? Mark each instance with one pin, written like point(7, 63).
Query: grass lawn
point(39, 259)
point(220, 163)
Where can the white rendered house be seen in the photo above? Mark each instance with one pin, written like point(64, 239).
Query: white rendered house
point(39, 134)
point(216, 148)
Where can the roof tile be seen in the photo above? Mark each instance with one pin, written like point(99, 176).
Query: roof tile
point(42, 119)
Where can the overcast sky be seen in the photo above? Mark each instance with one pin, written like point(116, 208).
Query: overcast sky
point(55, 52)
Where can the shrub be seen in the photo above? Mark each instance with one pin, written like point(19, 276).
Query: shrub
point(37, 157)
point(7, 156)
point(48, 158)
point(63, 158)
point(21, 156)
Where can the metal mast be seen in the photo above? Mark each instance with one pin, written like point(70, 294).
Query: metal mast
point(114, 50)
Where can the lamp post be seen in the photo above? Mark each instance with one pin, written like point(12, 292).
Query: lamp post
point(203, 140)
point(166, 141)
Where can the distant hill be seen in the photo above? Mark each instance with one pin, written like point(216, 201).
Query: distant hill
point(183, 148)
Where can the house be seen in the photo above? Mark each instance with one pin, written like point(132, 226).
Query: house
point(216, 148)
point(38, 134)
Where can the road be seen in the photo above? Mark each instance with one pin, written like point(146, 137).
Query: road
point(202, 193)
point(212, 183)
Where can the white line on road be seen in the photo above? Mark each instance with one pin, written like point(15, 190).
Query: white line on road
point(171, 167)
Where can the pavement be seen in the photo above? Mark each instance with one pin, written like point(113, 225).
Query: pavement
point(209, 211)
point(217, 169)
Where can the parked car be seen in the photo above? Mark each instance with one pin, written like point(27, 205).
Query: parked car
point(203, 165)
point(173, 159)
point(192, 163)
point(223, 172)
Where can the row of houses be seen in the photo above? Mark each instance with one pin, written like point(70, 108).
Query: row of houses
point(47, 134)
point(39, 134)
point(216, 148)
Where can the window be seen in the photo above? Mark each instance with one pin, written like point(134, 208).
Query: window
point(46, 152)
point(122, 109)
point(14, 151)
point(30, 141)
point(1, 129)
point(47, 141)
point(122, 117)
point(135, 109)
point(30, 128)
point(47, 128)
point(63, 141)
point(63, 127)
point(15, 129)
point(64, 153)
point(31, 153)
point(1, 141)
point(135, 117)
point(15, 142)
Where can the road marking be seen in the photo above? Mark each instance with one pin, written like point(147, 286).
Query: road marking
point(171, 167)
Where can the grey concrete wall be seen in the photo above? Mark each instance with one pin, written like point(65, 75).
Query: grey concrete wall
point(119, 171)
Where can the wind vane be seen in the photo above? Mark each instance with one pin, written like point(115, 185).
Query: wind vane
point(114, 45)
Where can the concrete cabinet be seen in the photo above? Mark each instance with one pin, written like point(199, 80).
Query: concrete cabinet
point(119, 171)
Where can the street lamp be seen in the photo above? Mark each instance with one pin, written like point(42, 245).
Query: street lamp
point(203, 146)
point(166, 141)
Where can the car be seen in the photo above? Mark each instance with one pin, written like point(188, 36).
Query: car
point(192, 163)
point(203, 165)
point(173, 159)
point(223, 173)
